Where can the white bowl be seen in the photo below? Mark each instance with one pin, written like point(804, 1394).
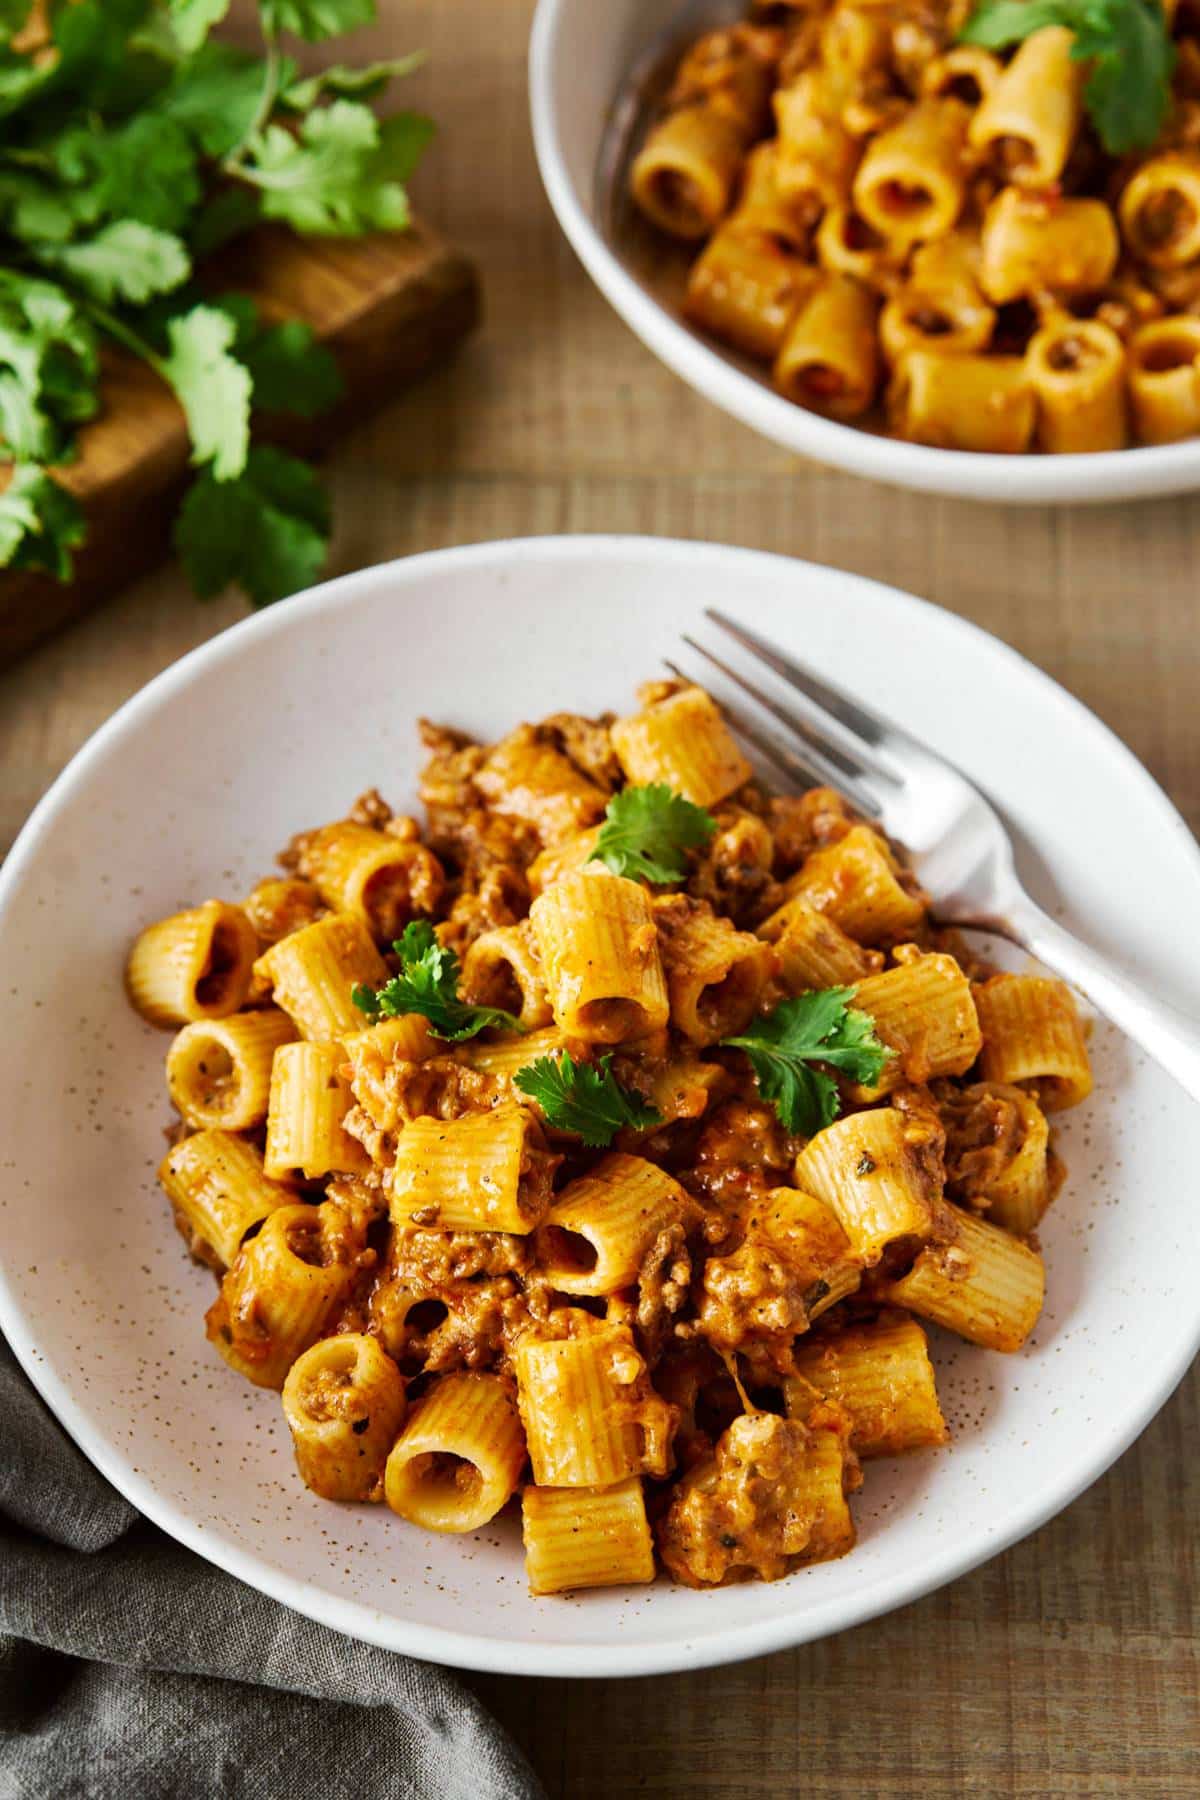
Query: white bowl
point(578, 55)
point(276, 725)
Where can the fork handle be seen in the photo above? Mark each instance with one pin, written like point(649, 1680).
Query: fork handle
point(1171, 1037)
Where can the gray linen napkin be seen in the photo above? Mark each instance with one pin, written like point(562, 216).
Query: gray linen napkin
point(130, 1667)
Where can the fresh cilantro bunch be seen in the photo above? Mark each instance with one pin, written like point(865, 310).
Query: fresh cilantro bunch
point(647, 832)
point(585, 1100)
point(131, 144)
point(428, 984)
point(1127, 43)
point(820, 1027)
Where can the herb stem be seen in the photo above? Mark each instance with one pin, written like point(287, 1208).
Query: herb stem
point(234, 163)
point(116, 328)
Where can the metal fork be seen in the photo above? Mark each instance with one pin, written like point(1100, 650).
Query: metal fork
point(960, 850)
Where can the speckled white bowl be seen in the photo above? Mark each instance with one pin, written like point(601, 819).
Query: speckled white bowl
point(190, 789)
point(579, 54)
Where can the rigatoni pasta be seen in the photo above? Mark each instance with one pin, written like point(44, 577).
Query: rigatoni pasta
point(641, 1156)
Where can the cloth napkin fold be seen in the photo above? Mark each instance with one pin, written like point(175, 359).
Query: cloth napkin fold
point(130, 1667)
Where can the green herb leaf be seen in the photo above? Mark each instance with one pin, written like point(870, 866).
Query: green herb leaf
point(13, 15)
point(1127, 43)
point(34, 210)
point(49, 368)
point(579, 1098)
point(428, 984)
point(818, 1027)
point(213, 388)
point(342, 174)
point(214, 96)
point(647, 832)
point(192, 20)
point(226, 216)
point(316, 19)
point(350, 84)
point(290, 370)
point(40, 523)
point(267, 530)
point(143, 170)
point(124, 261)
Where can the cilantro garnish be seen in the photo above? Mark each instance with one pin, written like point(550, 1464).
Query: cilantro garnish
point(133, 145)
point(428, 984)
point(819, 1027)
point(1126, 42)
point(587, 1101)
point(647, 830)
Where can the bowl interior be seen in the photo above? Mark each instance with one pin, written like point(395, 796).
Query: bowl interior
point(580, 55)
point(277, 725)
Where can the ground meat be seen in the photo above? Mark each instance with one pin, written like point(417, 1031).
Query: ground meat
point(758, 1297)
point(391, 1090)
point(501, 898)
point(457, 1325)
point(984, 1132)
point(752, 1507)
point(586, 743)
point(461, 829)
point(802, 823)
point(371, 809)
point(734, 874)
point(742, 1152)
point(662, 1288)
point(280, 905)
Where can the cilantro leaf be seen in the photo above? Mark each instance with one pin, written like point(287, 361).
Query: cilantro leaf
point(584, 1100)
point(647, 830)
point(40, 523)
point(342, 174)
point(145, 170)
point(357, 84)
point(123, 261)
point(290, 370)
point(1127, 43)
point(213, 388)
point(817, 1027)
point(13, 15)
point(192, 20)
point(214, 96)
point(35, 211)
point(49, 368)
point(267, 530)
point(316, 19)
point(428, 984)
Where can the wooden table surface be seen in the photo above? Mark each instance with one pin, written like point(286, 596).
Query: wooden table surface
point(1070, 1665)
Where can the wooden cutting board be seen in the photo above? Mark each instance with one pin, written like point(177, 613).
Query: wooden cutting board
point(388, 306)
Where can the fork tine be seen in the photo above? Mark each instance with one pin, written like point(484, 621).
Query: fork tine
point(852, 715)
point(817, 760)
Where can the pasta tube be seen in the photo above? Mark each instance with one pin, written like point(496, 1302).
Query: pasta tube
point(1019, 1191)
point(309, 1100)
point(744, 288)
point(279, 1294)
point(1159, 210)
point(525, 777)
point(1077, 371)
point(561, 859)
point(923, 1010)
point(506, 1055)
point(483, 1172)
point(978, 1281)
point(952, 320)
point(219, 1189)
point(458, 1459)
point(854, 882)
point(683, 178)
point(714, 972)
point(381, 880)
point(344, 1404)
point(963, 402)
point(591, 1417)
point(501, 968)
point(817, 155)
point(846, 245)
point(730, 72)
point(880, 1176)
point(1035, 244)
point(586, 1537)
point(881, 1375)
point(682, 740)
point(1032, 1032)
point(219, 1071)
point(829, 360)
point(911, 182)
point(593, 1239)
point(312, 972)
point(965, 72)
point(1164, 379)
point(811, 950)
point(194, 965)
point(1027, 123)
point(596, 938)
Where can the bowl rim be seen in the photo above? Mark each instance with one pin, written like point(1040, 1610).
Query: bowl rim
point(446, 1645)
point(1140, 472)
